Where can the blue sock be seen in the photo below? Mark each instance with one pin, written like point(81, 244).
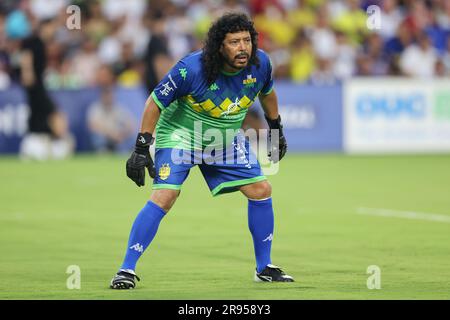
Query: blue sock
point(260, 223)
point(142, 233)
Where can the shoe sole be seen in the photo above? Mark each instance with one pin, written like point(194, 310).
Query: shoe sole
point(123, 285)
point(261, 279)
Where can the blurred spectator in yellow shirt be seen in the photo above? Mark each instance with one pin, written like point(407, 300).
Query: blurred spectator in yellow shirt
point(302, 58)
point(302, 16)
point(352, 22)
point(273, 22)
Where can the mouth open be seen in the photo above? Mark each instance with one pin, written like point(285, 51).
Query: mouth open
point(242, 59)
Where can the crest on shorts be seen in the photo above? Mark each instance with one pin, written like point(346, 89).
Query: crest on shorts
point(164, 171)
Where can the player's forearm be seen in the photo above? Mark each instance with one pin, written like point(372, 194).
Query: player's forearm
point(269, 104)
point(150, 116)
point(26, 66)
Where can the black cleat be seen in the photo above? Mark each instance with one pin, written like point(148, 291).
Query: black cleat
point(124, 279)
point(272, 273)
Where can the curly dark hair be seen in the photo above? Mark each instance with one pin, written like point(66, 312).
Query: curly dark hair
point(229, 23)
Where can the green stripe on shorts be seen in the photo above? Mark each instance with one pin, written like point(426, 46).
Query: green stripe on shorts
point(236, 183)
point(167, 186)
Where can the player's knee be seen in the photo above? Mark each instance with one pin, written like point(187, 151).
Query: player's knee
point(265, 190)
point(259, 190)
point(165, 198)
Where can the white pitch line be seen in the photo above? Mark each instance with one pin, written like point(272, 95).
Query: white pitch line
point(405, 214)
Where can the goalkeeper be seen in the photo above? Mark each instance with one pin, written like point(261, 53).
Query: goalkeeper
point(213, 87)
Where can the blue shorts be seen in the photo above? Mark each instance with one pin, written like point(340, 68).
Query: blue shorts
point(224, 170)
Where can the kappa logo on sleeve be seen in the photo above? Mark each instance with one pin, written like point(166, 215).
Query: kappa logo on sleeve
point(183, 73)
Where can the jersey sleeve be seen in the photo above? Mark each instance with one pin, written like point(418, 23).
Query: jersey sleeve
point(268, 84)
point(176, 83)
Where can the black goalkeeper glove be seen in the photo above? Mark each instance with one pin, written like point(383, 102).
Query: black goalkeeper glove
point(276, 149)
point(140, 158)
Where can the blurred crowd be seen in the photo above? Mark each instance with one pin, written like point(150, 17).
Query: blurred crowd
point(309, 41)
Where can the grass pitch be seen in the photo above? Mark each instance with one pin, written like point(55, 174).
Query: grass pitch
point(79, 212)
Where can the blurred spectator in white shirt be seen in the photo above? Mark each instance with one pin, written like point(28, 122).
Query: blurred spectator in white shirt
point(322, 36)
point(110, 48)
point(132, 9)
point(47, 9)
point(446, 57)
point(391, 17)
point(443, 14)
point(111, 126)
point(85, 63)
point(178, 30)
point(419, 60)
point(344, 63)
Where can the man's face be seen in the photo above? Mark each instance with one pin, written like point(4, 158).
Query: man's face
point(236, 50)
